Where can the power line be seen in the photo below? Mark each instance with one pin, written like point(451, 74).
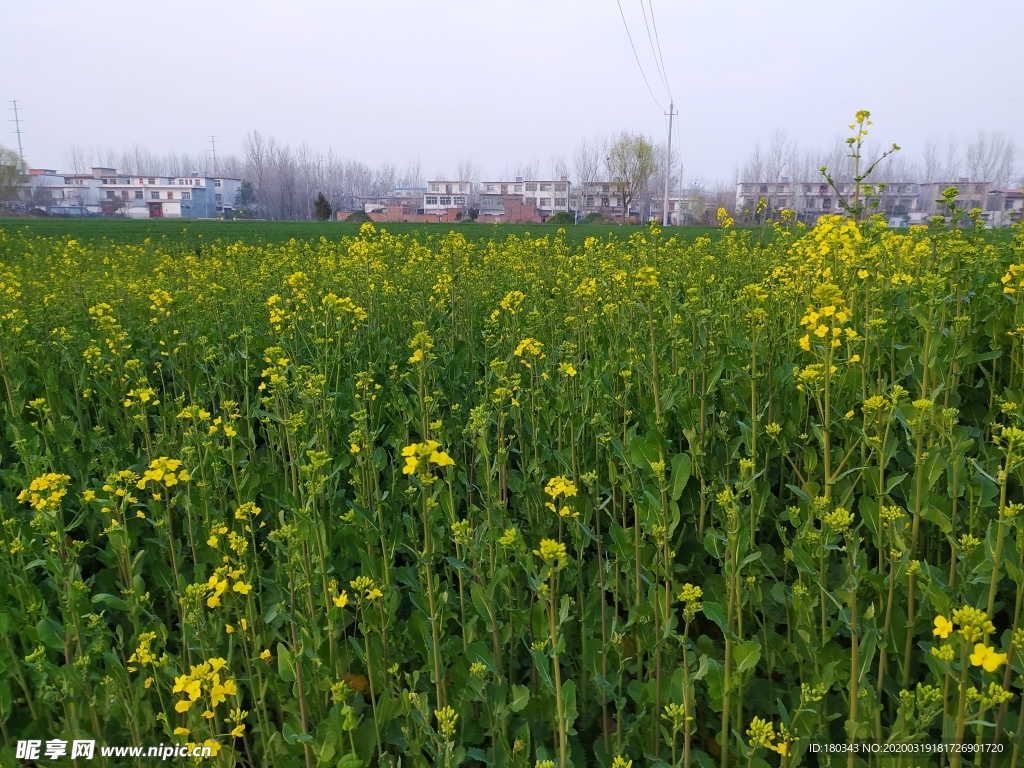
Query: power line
point(642, 73)
point(659, 66)
point(658, 41)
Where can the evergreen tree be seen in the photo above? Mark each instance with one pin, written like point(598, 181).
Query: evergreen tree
point(322, 208)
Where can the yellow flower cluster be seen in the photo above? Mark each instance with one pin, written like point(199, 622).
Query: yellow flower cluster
point(419, 456)
point(826, 322)
point(163, 470)
point(761, 733)
point(1013, 279)
point(143, 653)
point(563, 487)
point(365, 588)
point(551, 551)
point(528, 346)
point(45, 492)
point(217, 585)
point(973, 622)
point(201, 679)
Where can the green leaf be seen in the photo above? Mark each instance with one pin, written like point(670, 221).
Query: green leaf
point(569, 702)
point(51, 634)
point(285, 664)
point(520, 698)
point(113, 602)
point(746, 655)
point(716, 612)
point(682, 466)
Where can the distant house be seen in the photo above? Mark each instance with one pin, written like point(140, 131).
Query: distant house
point(441, 197)
point(107, 191)
point(810, 200)
point(518, 199)
point(604, 197)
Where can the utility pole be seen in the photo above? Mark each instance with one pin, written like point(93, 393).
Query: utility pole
point(213, 144)
point(17, 130)
point(668, 164)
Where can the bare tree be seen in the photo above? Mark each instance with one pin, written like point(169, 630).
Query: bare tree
point(755, 166)
point(780, 156)
point(991, 158)
point(559, 167)
point(256, 164)
point(386, 179)
point(306, 166)
point(951, 162)
point(469, 170)
point(78, 158)
point(930, 157)
point(527, 170)
point(587, 160)
point(412, 176)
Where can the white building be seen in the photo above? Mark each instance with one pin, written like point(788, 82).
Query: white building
point(442, 195)
point(548, 197)
point(107, 191)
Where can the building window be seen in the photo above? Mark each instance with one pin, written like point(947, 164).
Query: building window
point(170, 195)
point(490, 187)
point(433, 187)
point(431, 200)
point(545, 187)
point(531, 186)
point(560, 187)
point(782, 202)
point(124, 194)
point(590, 201)
point(459, 200)
point(138, 194)
point(216, 182)
point(218, 197)
point(826, 203)
point(186, 195)
point(110, 194)
point(151, 181)
point(154, 195)
point(519, 189)
point(545, 202)
point(559, 202)
point(604, 201)
point(446, 200)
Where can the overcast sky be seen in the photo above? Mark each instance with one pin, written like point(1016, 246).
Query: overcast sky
point(504, 83)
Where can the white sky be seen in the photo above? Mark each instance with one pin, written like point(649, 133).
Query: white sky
point(503, 83)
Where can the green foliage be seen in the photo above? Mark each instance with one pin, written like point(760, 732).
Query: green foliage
point(321, 207)
point(12, 176)
point(595, 218)
point(358, 217)
point(477, 496)
point(561, 219)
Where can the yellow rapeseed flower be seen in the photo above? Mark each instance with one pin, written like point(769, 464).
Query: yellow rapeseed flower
point(943, 627)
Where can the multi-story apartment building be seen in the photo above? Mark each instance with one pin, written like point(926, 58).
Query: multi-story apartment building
point(972, 194)
point(548, 197)
point(107, 191)
point(1005, 207)
point(605, 198)
point(443, 195)
point(811, 200)
point(778, 196)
